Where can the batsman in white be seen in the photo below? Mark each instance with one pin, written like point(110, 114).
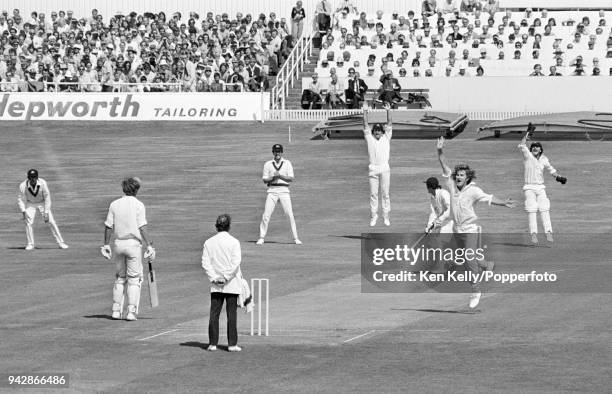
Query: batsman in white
point(277, 174)
point(34, 196)
point(126, 222)
point(439, 216)
point(464, 194)
point(378, 139)
point(535, 163)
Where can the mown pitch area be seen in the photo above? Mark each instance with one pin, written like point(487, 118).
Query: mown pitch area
point(326, 336)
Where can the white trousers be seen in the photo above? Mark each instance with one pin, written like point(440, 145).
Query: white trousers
point(379, 183)
point(271, 201)
point(537, 200)
point(446, 228)
point(30, 212)
point(128, 259)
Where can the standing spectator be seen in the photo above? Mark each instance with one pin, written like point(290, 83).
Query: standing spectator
point(286, 48)
point(126, 221)
point(34, 196)
point(221, 257)
point(297, 20)
point(323, 14)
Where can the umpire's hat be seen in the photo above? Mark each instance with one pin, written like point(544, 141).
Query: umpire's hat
point(32, 174)
point(277, 148)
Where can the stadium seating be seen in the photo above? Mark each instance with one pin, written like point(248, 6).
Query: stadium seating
point(140, 52)
point(594, 44)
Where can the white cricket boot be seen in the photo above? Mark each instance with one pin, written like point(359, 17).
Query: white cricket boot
point(475, 299)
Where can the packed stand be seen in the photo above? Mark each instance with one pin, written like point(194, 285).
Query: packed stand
point(146, 52)
point(474, 38)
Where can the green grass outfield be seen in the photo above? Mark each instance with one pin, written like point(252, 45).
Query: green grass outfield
point(325, 335)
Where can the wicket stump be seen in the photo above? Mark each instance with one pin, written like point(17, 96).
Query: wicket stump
point(258, 304)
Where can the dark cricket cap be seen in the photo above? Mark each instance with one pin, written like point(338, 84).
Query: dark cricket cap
point(432, 183)
point(32, 174)
point(277, 148)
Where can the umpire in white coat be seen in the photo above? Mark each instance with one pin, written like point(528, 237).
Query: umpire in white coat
point(221, 260)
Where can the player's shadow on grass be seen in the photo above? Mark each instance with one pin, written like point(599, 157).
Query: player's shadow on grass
point(350, 236)
point(109, 317)
point(106, 317)
point(459, 311)
point(36, 248)
point(272, 242)
point(201, 345)
point(523, 245)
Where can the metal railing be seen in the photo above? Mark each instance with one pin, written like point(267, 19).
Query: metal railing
point(310, 115)
point(289, 72)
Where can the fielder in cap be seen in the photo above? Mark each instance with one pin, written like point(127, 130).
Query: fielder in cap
point(34, 196)
point(277, 175)
point(536, 199)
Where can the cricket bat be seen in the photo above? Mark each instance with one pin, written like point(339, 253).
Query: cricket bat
point(418, 241)
point(152, 285)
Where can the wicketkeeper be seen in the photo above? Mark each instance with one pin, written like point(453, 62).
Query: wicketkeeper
point(536, 199)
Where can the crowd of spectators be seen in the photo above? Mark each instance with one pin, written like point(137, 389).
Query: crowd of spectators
point(140, 52)
point(456, 38)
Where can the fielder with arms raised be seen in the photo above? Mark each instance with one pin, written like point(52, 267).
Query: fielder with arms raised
point(378, 139)
point(535, 192)
point(127, 222)
point(464, 195)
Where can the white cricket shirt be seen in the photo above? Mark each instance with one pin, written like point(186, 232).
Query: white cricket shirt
point(379, 150)
point(126, 216)
point(284, 168)
point(34, 195)
point(440, 207)
point(534, 167)
point(462, 202)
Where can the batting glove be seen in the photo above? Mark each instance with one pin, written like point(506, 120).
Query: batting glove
point(561, 179)
point(106, 251)
point(150, 253)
